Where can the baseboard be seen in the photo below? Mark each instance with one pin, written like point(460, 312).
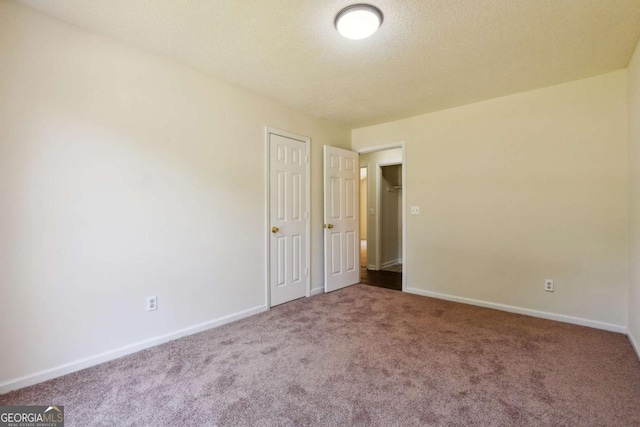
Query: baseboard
point(78, 365)
point(390, 263)
point(316, 291)
point(371, 267)
point(519, 310)
point(634, 343)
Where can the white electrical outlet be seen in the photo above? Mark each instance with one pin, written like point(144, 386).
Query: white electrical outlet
point(152, 303)
point(548, 285)
point(415, 210)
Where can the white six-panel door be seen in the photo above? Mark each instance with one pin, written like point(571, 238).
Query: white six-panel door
point(341, 220)
point(288, 214)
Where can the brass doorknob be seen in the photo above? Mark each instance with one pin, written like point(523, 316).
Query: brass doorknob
point(274, 229)
point(328, 225)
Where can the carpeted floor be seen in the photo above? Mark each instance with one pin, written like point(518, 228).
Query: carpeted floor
point(363, 356)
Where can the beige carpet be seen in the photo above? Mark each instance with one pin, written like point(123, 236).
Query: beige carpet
point(363, 356)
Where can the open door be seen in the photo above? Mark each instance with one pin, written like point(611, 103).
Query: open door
point(341, 210)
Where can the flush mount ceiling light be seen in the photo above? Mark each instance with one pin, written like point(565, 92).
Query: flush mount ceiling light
point(358, 21)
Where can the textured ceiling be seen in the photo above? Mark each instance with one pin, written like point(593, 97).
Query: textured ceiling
point(428, 55)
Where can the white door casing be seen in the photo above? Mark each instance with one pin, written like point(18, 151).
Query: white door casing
point(288, 218)
point(341, 218)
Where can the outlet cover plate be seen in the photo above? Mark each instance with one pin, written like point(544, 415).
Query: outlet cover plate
point(548, 285)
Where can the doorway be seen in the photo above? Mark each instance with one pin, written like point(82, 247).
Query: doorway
point(382, 213)
point(390, 194)
point(363, 216)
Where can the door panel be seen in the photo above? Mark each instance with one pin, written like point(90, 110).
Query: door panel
point(341, 210)
point(288, 216)
point(352, 250)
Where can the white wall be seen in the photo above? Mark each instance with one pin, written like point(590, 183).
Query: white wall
point(372, 161)
point(124, 175)
point(634, 216)
point(518, 189)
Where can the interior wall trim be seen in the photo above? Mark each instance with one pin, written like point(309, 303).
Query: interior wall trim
point(67, 368)
point(634, 343)
point(520, 310)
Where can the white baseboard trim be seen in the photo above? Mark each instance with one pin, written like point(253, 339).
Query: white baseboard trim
point(106, 356)
point(634, 343)
point(371, 267)
point(316, 291)
point(519, 310)
point(390, 263)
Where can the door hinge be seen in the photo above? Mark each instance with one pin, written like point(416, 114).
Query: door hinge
point(306, 159)
point(306, 215)
point(306, 271)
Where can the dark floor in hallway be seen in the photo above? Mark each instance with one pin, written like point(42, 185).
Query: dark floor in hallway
point(381, 279)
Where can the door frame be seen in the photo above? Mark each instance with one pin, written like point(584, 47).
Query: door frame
point(268, 131)
point(403, 146)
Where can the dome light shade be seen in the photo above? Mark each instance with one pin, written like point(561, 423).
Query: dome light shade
point(358, 21)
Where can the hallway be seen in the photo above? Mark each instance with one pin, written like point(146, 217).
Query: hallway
point(380, 279)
